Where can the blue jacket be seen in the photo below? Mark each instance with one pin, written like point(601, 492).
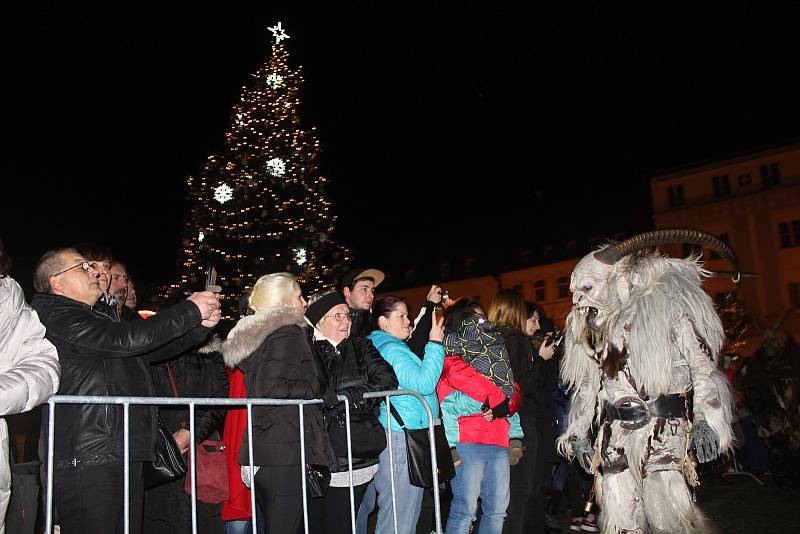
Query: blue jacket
point(412, 373)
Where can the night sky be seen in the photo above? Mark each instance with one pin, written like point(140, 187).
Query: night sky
point(442, 127)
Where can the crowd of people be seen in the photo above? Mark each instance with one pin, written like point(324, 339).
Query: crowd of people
point(488, 375)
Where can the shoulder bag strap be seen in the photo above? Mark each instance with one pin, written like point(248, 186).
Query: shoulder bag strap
point(396, 415)
point(172, 381)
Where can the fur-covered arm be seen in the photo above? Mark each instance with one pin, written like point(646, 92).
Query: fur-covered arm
point(712, 397)
point(579, 372)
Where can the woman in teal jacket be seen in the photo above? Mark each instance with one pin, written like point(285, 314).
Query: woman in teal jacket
point(390, 315)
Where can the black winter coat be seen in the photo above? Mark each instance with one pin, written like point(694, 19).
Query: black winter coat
point(199, 372)
point(536, 377)
point(354, 363)
point(273, 350)
point(100, 356)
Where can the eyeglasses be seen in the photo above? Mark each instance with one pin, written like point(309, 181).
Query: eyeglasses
point(340, 317)
point(85, 265)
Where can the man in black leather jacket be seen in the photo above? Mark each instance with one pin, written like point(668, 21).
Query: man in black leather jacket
point(101, 356)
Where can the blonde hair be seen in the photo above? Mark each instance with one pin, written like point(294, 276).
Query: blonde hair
point(508, 310)
point(272, 290)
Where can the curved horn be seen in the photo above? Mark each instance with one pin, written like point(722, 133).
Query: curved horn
point(613, 253)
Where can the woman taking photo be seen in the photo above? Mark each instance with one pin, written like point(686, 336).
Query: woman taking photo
point(533, 372)
point(352, 367)
point(390, 315)
point(272, 348)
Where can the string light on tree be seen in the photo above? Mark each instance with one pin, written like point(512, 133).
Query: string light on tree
point(267, 224)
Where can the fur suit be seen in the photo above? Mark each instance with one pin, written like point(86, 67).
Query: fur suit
point(642, 331)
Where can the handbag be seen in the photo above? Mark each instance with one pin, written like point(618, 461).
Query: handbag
point(368, 437)
point(212, 473)
point(168, 465)
point(318, 478)
point(210, 465)
point(418, 453)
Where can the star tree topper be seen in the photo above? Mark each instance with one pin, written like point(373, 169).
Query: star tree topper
point(278, 33)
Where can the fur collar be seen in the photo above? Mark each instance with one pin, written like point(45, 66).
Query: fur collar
point(251, 331)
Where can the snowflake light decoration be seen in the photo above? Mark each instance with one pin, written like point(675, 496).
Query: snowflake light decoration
point(276, 167)
point(299, 255)
point(223, 193)
point(274, 80)
point(278, 33)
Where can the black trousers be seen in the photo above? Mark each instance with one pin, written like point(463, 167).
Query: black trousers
point(168, 509)
point(331, 513)
point(530, 479)
point(279, 494)
point(90, 499)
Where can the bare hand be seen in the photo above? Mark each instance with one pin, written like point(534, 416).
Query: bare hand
point(488, 415)
point(547, 349)
point(206, 302)
point(435, 294)
point(213, 319)
point(437, 329)
point(183, 439)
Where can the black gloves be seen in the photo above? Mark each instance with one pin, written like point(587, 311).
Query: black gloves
point(583, 451)
point(705, 442)
point(501, 410)
point(352, 393)
point(329, 398)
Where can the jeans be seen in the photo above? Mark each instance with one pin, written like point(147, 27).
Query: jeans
point(484, 473)
point(408, 498)
point(244, 526)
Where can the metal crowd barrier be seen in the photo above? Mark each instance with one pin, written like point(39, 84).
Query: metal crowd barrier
point(238, 403)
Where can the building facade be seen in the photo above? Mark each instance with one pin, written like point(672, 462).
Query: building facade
point(751, 202)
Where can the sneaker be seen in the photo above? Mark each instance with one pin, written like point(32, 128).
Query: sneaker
point(590, 523)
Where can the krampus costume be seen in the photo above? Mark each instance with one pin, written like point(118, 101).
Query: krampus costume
point(642, 342)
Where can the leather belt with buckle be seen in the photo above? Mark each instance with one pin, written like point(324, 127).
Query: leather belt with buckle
point(634, 413)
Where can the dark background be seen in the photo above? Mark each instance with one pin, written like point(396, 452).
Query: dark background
point(445, 127)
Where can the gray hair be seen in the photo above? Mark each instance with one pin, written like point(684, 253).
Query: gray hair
point(48, 265)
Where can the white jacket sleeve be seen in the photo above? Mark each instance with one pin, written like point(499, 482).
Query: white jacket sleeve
point(29, 369)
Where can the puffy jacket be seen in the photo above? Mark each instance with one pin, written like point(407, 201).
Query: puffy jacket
point(29, 370)
point(100, 356)
point(273, 350)
point(412, 373)
point(354, 363)
point(460, 377)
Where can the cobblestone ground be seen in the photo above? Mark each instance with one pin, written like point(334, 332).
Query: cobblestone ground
point(737, 503)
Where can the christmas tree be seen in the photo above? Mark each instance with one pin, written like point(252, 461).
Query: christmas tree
point(258, 206)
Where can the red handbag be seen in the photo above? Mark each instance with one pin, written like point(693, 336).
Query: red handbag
point(210, 465)
point(212, 472)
